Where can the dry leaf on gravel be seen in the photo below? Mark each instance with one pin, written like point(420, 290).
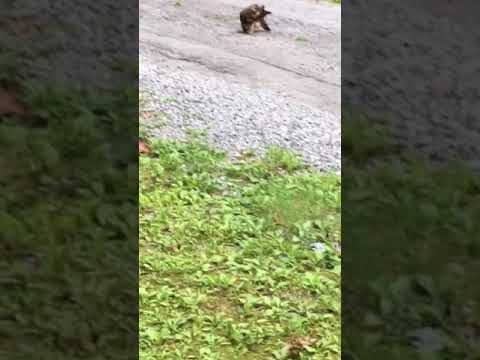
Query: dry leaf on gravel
point(143, 148)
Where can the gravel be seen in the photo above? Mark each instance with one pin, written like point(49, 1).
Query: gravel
point(414, 65)
point(238, 117)
point(246, 92)
point(72, 43)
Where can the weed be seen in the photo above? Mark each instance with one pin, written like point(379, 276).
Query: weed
point(410, 234)
point(301, 39)
point(226, 268)
point(67, 204)
point(362, 140)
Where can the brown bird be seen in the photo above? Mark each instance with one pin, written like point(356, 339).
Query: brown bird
point(253, 17)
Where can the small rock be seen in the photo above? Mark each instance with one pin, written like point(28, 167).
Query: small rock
point(318, 247)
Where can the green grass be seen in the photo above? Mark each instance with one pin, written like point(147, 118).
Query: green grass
point(301, 39)
point(362, 140)
point(226, 269)
point(411, 238)
point(68, 219)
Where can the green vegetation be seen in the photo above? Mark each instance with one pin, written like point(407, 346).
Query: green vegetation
point(226, 265)
point(361, 140)
point(410, 232)
point(68, 223)
point(301, 39)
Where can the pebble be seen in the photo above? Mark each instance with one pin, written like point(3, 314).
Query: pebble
point(238, 117)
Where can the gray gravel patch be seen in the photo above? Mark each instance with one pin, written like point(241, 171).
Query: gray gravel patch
point(238, 117)
point(79, 44)
point(410, 65)
point(246, 92)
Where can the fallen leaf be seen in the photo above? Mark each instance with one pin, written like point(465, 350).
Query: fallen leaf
point(25, 27)
point(146, 114)
point(9, 104)
point(143, 148)
point(298, 344)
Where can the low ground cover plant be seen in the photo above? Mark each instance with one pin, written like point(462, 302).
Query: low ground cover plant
point(227, 268)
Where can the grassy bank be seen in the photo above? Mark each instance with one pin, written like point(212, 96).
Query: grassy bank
point(410, 239)
point(226, 265)
point(68, 222)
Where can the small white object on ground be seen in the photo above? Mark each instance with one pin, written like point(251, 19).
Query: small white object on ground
point(318, 247)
